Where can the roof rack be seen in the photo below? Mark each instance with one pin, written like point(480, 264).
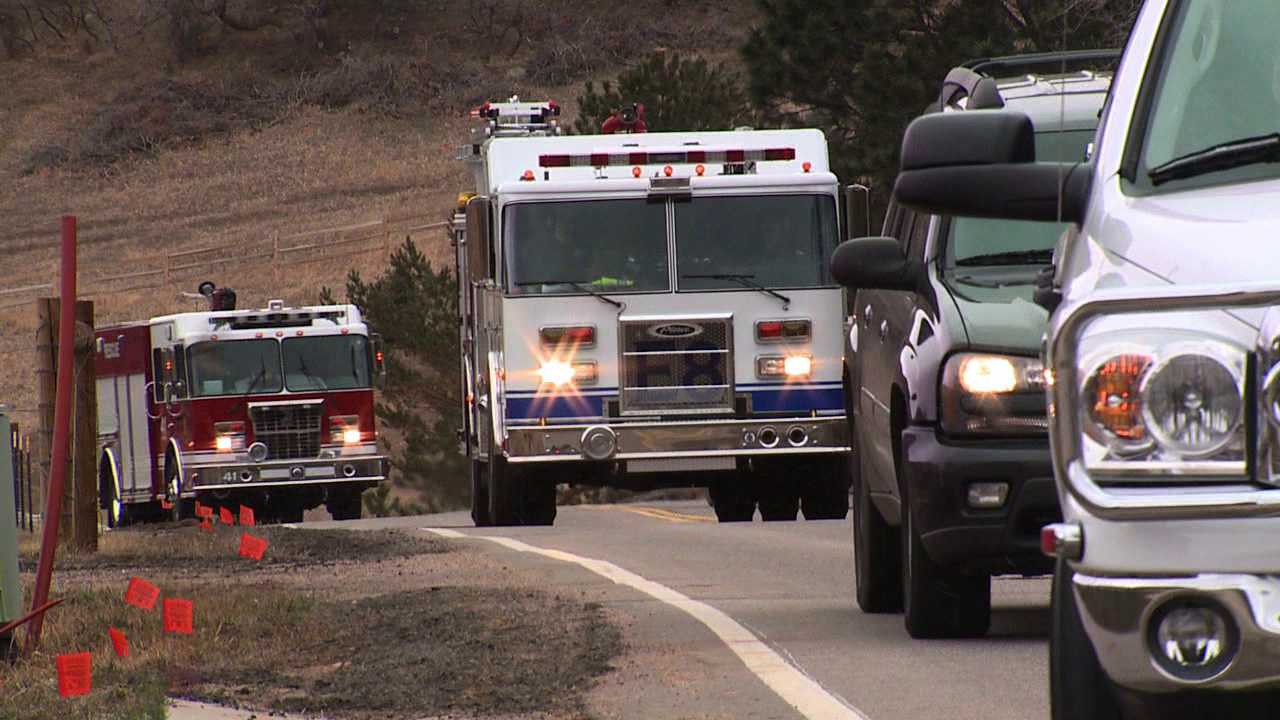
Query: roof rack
point(994, 65)
point(975, 79)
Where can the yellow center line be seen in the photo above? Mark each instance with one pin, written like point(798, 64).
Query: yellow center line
point(656, 513)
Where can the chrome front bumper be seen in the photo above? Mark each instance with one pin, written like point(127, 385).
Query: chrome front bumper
point(298, 471)
point(1117, 614)
point(684, 439)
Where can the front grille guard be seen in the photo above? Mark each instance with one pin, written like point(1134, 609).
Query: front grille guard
point(1065, 430)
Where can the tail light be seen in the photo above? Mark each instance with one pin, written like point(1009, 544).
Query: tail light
point(575, 335)
point(345, 429)
point(774, 331)
point(228, 436)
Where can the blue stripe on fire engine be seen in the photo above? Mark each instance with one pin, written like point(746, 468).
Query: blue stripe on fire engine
point(776, 399)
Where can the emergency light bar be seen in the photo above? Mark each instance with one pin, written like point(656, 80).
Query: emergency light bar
point(275, 319)
point(671, 157)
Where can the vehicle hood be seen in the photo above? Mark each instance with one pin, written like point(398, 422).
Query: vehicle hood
point(1002, 317)
point(1224, 234)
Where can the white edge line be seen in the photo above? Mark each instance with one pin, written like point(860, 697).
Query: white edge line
point(790, 683)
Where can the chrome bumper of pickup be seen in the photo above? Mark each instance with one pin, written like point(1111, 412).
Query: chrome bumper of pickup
point(684, 439)
point(1119, 614)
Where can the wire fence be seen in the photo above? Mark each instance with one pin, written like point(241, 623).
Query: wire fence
point(276, 252)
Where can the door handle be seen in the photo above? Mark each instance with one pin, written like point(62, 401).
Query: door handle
point(884, 328)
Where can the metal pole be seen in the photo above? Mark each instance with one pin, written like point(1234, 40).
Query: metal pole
point(61, 426)
point(10, 588)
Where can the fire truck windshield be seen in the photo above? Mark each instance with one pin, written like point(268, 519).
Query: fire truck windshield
point(778, 241)
point(614, 246)
point(234, 367)
point(326, 362)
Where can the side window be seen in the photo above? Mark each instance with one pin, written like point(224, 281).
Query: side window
point(896, 224)
point(158, 374)
point(919, 236)
point(181, 381)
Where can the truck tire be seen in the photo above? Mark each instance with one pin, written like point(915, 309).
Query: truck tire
point(519, 495)
point(825, 494)
point(479, 494)
point(344, 503)
point(539, 499)
point(939, 602)
point(1079, 688)
point(777, 498)
point(734, 501)
point(877, 556)
point(119, 514)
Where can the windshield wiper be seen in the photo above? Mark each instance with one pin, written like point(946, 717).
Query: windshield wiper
point(1225, 156)
point(579, 285)
point(746, 281)
point(262, 375)
point(1013, 257)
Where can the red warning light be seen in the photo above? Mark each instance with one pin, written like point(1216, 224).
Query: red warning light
point(635, 172)
point(668, 170)
point(806, 166)
point(527, 176)
point(700, 170)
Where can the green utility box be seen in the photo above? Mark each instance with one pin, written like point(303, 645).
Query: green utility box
point(10, 587)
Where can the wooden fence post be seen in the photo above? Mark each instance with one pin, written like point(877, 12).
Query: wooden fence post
point(79, 524)
point(45, 390)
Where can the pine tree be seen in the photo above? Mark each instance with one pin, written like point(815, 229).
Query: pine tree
point(678, 94)
point(863, 69)
point(415, 309)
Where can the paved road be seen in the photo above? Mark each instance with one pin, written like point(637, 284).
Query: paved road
point(791, 585)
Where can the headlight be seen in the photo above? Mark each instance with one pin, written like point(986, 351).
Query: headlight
point(558, 373)
point(344, 429)
point(1111, 402)
point(792, 367)
point(228, 436)
point(1151, 401)
point(993, 395)
point(1194, 403)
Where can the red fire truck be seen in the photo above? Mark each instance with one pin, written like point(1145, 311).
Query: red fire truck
point(269, 408)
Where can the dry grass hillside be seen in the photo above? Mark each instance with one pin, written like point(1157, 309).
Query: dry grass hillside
point(276, 131)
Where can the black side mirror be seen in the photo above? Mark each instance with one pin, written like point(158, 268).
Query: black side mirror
point(982, 163)
point(874, 263)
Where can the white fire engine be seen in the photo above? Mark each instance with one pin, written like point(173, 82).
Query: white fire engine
point(270, 408)
point(642, 310)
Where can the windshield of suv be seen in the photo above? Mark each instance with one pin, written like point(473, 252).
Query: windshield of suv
point(979, 242)
point(605, 245)
point(234, 367)
point(326, 362)
point(1218, 85)
point(773, 241)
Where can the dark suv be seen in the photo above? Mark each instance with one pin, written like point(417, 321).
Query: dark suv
point(946, 386)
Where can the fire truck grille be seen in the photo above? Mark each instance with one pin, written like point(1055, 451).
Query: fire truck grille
point(676, 365)
point(288, 431)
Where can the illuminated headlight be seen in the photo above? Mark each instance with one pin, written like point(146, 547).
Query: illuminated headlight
point(558, 373)
point(345, 429)
point(987, 374)
point(1150, 401)
point(993, 395)
point(228, 436)
point(784, 366)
